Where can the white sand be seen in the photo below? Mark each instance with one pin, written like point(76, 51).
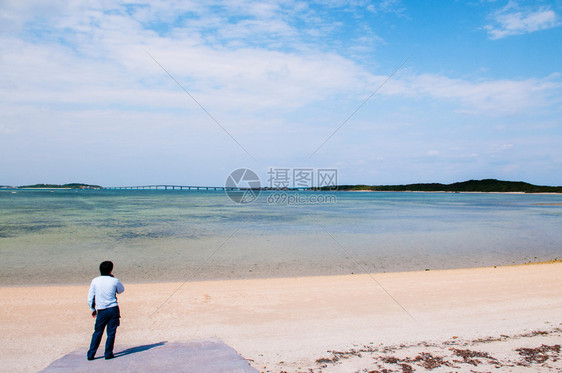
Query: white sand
point(287, 324)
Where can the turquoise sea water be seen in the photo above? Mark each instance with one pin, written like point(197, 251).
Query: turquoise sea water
point(61, 236)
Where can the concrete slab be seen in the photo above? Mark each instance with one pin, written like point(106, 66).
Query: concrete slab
point(212, 356)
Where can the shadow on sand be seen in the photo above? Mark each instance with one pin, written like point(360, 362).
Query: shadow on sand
point(136, 349)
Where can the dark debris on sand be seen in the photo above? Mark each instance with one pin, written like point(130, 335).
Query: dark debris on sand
point(539, 355)
point(470, 356)
point(453, 354)
point(428, 361)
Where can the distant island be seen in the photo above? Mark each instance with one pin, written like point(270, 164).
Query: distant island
point(63, 186)
point(486, 185)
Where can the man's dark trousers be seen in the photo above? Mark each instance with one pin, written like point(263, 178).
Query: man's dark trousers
point(110, 318)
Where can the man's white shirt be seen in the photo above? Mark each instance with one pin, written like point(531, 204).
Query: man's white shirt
point(103, 291)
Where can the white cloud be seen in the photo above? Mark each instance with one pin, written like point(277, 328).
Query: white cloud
point(512, 21)
point(386, 6)
point(95, 52)
point(487, 97)
point(103, 59)
point(248, 79)
point(113, 69)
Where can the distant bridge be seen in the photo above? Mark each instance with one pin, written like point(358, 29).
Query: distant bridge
point(170, 187)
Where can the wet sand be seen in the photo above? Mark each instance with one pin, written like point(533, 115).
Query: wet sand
point(441, 320)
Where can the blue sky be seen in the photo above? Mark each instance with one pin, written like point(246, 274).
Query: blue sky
point(82, 100)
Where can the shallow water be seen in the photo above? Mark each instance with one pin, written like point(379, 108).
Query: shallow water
point(60, 237)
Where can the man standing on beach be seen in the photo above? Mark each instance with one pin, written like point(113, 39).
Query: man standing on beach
point(102, 300)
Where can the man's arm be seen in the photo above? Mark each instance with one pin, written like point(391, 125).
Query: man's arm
point(91, 296)
point(92, 299)
point(119, 288)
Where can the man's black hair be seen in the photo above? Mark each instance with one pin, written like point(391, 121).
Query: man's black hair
point(106, 268)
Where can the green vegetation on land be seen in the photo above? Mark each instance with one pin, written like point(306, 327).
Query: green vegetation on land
point(63, 186)
point(486, 185)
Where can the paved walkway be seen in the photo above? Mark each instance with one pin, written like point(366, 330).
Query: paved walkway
point(212, 356)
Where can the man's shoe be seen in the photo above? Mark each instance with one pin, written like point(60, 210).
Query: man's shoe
point(91, 358)
point(109, 357)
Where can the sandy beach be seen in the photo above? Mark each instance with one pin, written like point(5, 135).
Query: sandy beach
point(507, 318)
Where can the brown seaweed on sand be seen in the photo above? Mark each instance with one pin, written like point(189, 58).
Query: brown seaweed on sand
point(428, 361)
point(469, 356)
point(539, 354)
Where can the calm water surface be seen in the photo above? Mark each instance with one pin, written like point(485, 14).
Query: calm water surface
point(60, 237)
